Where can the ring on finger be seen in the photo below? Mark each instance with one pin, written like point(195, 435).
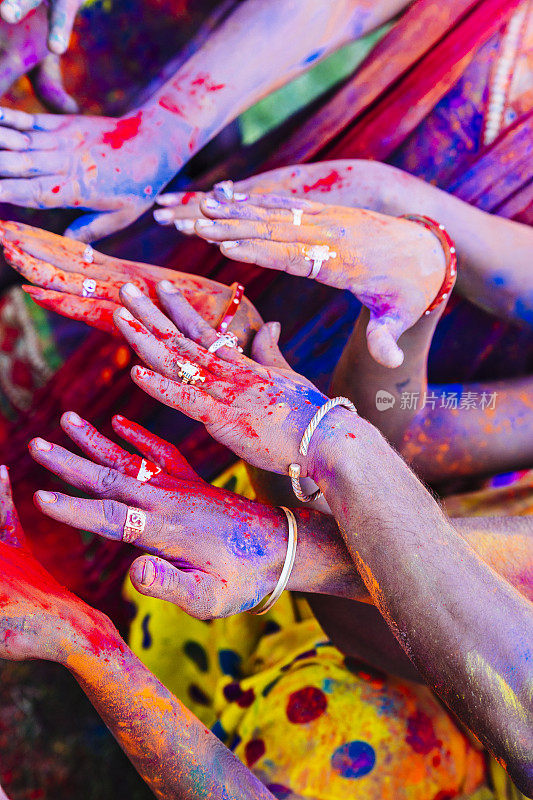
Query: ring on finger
point(317, 253)
point(189, 373)
point(88, 254)
point(297, 214)
point(134, 525)
point(88, 287)
point(225, 340)
point(147, 470)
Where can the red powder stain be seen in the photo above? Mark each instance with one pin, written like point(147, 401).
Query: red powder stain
point(203, 80)
point(187, 197)
point(55, 189)
point(124, 130)
point(324, 184)
point(168, 103)
point(420, 734)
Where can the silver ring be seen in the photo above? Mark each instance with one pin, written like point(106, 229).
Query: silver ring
point(88, 287)
point(225, 340)
point(147, 470)
point(297, 214)
point(315, 269)
point(88, 254)
point(134, 525)
point(317, 253)
point(189, 373)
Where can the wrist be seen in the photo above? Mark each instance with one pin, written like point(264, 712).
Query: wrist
point(89, 636)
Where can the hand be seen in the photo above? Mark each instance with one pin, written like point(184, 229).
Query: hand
point(260, 413)
point(24, 52)
point(214, 553)
point(62, 16)
point(113, 167)
point(60, 266)
point(38, 617)
point(393, 266)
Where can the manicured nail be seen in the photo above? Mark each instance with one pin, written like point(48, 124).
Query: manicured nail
point(225, 188)
point(148, 573)
point(11, 12)
point(167, 287)
point(229, 244)
point(40, 444)
point(125, 314)
point(47, 497)
point(4, 475)
point(131, 290)
point(239, 197)
point(184, 225)
point(205, 223)
point(74, 419)
point(210, 203)
point(163, 214)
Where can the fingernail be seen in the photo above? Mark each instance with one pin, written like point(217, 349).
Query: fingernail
point(40, 444)
point(125, 314)
point(167, 287)
point(225, 188)
point(74, 419)
point(163, 214)
point(131, 290)
point(210, 203)
point(4, 475)
point(205, 223)
point(47, 497)
point(275, 330)
point(229, 244)
point(148, 573)
point(184, 225)
point(239, 197)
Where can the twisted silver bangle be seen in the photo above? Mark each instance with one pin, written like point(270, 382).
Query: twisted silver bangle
point(287, 566)
point(294, 469)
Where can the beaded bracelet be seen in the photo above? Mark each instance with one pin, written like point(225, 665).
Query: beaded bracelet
point(448, 245)
point(231, 310)
point(294, 469)
point(287, 566)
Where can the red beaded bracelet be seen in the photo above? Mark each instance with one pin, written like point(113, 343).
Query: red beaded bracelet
point(231, 310)
point(448, 245)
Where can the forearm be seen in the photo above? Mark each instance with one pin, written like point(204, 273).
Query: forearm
point(261, 46)
point(170, 748)
point(432, 588)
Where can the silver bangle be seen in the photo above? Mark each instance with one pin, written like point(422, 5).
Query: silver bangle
point(295, 469)
point(287, 566)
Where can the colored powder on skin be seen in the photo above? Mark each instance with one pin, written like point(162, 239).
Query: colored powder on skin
point(325, 184)
point(124, 130)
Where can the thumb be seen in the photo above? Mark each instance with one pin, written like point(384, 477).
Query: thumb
point(265, 349)
point(194, 592)
point(48, 85)
point(92, 227)
point(382, 334)
point(62, 16)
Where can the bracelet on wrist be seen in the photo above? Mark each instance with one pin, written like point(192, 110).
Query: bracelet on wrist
point(265, 606)
point(294, 469)
point(450, 254)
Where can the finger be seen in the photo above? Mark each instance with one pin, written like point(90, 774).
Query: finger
point(154, 448)
point(193, 591)
point(62, 16)
point(30, 164)
point(179, 207)
point(12, 139)
point(48, 85)
point(231, 230)
point(105, 517)
point(285, 201)
point(148, 347)
point(265, 348)
point(92, 227)
point(10, 528)
point(193, 402)
point(13, 11)
point(50, 277)
point(288, 258)
point(382, 334)
point(97, 313)
point(213, 209)
point(190, 322)
point(92, 478)
point(38, 192)
point(12, 118)
point(148, 313)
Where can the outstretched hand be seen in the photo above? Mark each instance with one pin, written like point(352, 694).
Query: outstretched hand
point(212, 552)
point(258, 412)
point(39, 618)
point(62, 14)
point(81, 283)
